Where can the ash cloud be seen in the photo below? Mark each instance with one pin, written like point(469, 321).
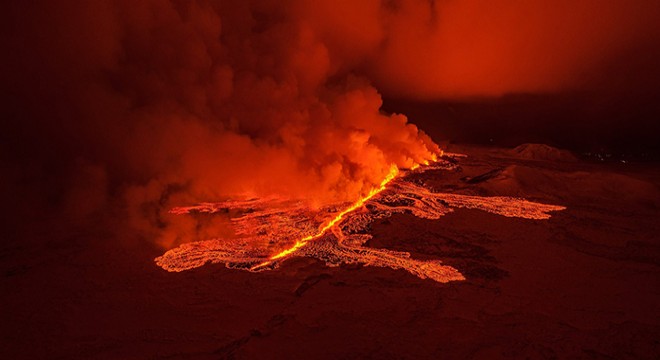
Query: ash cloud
point(127, 107)
point(134, 107)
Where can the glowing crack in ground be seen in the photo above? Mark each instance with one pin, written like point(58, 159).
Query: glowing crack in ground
point(273, 230)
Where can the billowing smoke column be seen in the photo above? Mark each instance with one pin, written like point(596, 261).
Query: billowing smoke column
point(184, 101)
point(144, 105)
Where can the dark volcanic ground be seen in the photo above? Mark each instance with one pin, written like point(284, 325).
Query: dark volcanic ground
point(583, 284)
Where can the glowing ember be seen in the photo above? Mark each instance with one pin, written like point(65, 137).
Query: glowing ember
point(273, 230)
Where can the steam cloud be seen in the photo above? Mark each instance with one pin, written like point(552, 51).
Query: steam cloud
point(141, 106)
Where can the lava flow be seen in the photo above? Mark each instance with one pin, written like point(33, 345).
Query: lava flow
point(288, 228)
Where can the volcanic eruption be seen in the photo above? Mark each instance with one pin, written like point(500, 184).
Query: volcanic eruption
point(337, 233)
point(250, 179)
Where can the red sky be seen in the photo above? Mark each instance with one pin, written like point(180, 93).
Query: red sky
point(150, 104)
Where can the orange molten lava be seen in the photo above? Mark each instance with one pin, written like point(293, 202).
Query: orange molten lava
point(337, 237)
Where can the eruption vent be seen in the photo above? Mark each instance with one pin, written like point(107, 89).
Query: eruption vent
point(273, 230)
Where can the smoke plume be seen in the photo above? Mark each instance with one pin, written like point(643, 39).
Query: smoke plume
point(163, 103)
point(119, 106)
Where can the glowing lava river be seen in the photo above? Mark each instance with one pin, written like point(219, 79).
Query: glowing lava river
point(273, 230)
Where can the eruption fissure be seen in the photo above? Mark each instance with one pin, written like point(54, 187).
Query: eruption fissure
point(392, 174)
point(337, 237)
